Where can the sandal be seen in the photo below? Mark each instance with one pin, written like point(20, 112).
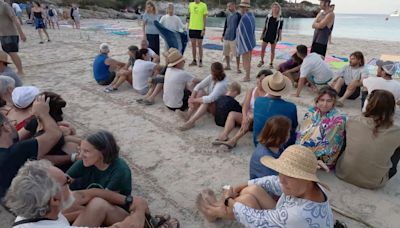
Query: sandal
point(170, 223)
point(260, 64)
point(140, 101)
point(147, 102)
point(218, 142)
point(230, 147)
point(110, 89)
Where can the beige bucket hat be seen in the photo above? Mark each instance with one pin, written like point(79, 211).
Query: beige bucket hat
point(277, 84)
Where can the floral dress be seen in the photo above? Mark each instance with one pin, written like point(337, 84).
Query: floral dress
point(323, 135)
point(290, 212)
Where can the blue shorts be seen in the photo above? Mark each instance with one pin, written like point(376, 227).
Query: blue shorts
point(39, 23)
point(311, 79)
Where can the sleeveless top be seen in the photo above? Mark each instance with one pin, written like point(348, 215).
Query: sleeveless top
point(100, 69)
point(38, 15)
point(321, 36)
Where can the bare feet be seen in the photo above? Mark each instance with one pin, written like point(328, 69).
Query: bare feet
point(202, 205)
point(186, 126)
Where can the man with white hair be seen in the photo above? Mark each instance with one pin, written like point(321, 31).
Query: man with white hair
point(104, 67)
point(40, 192)
point(6, 70)
point(7, 85)
point(144, 44)
point(14, 153)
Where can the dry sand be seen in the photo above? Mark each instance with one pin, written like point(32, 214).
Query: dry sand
point(171, 167)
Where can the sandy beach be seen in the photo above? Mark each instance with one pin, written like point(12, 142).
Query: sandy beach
point(170, 167)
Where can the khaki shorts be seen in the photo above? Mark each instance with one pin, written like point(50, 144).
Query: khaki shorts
point(229, 48)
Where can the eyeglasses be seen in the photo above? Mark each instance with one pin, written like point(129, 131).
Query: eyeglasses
point(68, 181)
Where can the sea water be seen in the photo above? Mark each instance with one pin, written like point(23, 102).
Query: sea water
point(357, 26)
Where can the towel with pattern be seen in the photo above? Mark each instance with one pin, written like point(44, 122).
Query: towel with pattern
point(246, 38)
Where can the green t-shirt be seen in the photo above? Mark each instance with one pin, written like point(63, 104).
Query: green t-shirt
point(117, 177)
point(197, 12)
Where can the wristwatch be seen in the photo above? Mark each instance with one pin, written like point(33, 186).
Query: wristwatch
point(128, 200)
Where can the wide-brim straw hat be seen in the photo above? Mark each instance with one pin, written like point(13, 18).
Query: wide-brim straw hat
point(174, 57)
point(297, 162)
point(277, 84)
point(245, 3)
point(4, 57)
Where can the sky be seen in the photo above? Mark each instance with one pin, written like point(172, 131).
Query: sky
point(365, 6)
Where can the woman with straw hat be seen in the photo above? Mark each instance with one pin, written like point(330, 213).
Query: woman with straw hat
point(302, 201)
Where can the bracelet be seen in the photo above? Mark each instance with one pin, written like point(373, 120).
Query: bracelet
point(73, 156)
point(226, 202)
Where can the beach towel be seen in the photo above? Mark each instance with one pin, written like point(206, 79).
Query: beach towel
point(213, 46)
point(173, 39)
point(246, 39)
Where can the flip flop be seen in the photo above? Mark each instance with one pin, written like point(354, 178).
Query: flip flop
point(230, 147)
point(218, 142)
point(147, 102)
point(140, 101)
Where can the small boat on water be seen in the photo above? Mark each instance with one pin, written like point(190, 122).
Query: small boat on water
point(395, 14)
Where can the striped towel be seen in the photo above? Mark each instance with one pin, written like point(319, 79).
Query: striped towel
point(173, 39)
point(245, 34)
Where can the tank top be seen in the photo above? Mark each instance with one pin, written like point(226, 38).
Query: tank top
point(100, 69)
point(38, 15)
point(321, 36)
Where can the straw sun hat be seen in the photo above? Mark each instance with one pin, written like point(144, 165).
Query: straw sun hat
point(296, 161)
point(277, 84)
point(4, 57)
point(174, 57)
point(245, 3)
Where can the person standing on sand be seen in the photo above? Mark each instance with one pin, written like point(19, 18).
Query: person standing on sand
point(323, 25)
point(229, 36)
point(152, 34)
point(9, 38)
point(18, 12)
point(38, 16)
point(198, 12)
point(272, 33)
point(332, 8)
point(245, 37)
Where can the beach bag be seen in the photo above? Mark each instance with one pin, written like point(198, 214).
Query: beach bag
point(51, 13)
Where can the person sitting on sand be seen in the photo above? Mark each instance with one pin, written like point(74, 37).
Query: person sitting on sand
point(40, 185)
point(176, 83)
point(14, 153)
point(384, 81)
point(253, 204)
point(142, 71)
point(125, 73)
point(101, 166)
point(144, 44)
point(276, 86)
point(372, 144)
point(7, 85)
point(64, 153)
point(6, 70)
point(273, 137)
point(291, 68)
point(204, 96)
point(315, 71)
point(348, 82)
point(244, 118)
point(323, 128)
point(20, 108)
point(226, 104)
point(104, 67)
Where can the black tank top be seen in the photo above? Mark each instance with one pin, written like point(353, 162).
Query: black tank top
point(38, 15)
point(321, 36)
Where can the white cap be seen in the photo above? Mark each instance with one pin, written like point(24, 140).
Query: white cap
point(23, 96)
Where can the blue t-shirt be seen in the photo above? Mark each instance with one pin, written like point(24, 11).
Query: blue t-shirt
point(257, 169)
point(231, 24)
point(266, 107)
point(101, 71)
point(148, 20)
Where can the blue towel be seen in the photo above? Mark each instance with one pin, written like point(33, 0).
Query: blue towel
point(245, 38)
point(173, 39)
point(213, 47)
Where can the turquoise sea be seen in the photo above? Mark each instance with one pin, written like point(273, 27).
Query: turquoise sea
point(357, 26)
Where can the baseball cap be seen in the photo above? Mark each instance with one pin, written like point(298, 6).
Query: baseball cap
point(23, 96)
point(388, 66)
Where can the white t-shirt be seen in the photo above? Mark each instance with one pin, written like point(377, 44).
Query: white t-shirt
point(141, 72)
point(61, 222)
point(175, 82)
point(349, 74)
point(16, 7)
point(374, 83)
point(212, 88)
point(314, 66)
point(151, 52)
point(172, 22)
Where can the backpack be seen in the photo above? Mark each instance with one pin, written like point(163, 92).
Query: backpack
point(51, 13)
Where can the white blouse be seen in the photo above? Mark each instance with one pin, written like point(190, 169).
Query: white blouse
point(289, 211)
point(214, 89)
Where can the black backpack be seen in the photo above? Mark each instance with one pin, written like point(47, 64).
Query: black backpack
point(51, 13)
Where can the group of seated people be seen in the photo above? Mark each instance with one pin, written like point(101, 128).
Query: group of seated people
point(71, 180)
point(362, 149)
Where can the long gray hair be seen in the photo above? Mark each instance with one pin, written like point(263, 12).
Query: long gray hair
point(32, 189)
